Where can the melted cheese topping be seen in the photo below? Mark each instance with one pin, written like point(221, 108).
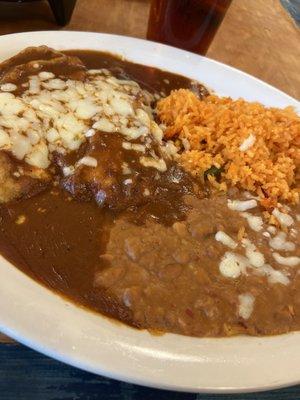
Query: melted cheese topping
point(255, 257)
point(272, 229)
point(247, 143)
point(232, 265)
point(88, 161)
point(225, 239)
point(241, 205)
point(282, 218)
point(288, 261)
point(274, 276)
point(255, 222)
point(279, 242)
point(57, 115)
point(8, 87)
point(246, 305)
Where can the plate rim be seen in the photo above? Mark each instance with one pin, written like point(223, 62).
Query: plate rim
point(158, 45)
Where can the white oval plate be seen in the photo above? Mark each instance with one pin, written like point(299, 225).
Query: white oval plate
point(50, 324)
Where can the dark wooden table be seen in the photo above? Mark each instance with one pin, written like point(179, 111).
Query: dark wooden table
point(28, 375)
point(256, 36)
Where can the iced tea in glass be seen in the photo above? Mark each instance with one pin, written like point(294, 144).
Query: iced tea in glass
point(188, 24)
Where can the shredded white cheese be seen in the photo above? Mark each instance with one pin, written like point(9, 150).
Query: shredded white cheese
point(255, 257)
point(38, 156)
point(133, 146)
point(288, 261)
point(293, 232)
point(56, 114)
point(266, 234)
point(154, 163)
point(247, 143)
point(90, 132)
point(88, 161)
point(44, 75)
point(279, 242)
point(4, 139)
point(255, 222)
point(282, 218)
point(8, 87)
point(273, 275)
point(186, 144)
point(104, 125)
point(232, 265)
point(225, 239)
point(272, 229)
point(249, 195)
point(68, 170)
point(241, 205)
point(125, 169)
point(246, 305)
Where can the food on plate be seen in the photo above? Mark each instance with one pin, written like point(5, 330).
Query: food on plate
point(138, 194)
point(251, 146)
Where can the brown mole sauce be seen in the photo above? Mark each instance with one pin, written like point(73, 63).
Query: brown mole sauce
point(62, 238)
point(150, 78)
point(59, 244)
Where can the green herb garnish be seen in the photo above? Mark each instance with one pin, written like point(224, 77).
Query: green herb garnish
point(214, 171)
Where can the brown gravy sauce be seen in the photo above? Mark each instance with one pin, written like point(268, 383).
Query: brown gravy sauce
point(60, 246)
point(150, 78)
point(61, 241)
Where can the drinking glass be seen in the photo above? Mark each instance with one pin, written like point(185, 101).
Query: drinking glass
point(188, 24)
